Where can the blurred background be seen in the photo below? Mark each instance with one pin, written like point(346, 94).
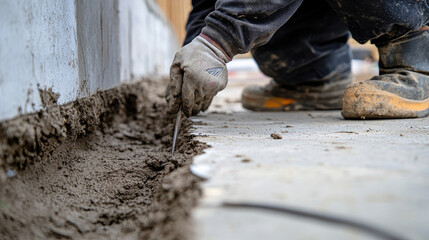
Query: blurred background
point(177, 14)
point(76, 48)
point(243, 70)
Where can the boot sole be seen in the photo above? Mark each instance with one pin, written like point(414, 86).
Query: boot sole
point(277, 104)
point(377, 104)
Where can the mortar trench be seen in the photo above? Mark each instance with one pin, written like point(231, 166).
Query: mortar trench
point(112, 177)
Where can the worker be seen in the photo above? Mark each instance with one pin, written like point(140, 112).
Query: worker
point(303, 46)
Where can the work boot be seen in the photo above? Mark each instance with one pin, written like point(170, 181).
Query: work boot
point(401, 90)
point(320, 95)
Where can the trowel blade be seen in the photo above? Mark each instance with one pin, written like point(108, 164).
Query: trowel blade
point(176, 129)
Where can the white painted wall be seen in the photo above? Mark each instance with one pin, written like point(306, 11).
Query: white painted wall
point(77, 47)
point(147, 40)
point(37, 47)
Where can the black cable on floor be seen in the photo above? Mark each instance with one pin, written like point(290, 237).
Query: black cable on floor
point(317, 216)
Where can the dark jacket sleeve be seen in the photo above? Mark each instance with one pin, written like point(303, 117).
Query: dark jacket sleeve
point(240, 25)
point(200, 10)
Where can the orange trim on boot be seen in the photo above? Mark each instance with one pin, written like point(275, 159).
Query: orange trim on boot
point(276, 102)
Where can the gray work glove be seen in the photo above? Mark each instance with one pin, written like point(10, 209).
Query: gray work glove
point(197, 74)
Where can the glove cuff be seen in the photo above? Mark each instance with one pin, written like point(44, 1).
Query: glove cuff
point(214, 46)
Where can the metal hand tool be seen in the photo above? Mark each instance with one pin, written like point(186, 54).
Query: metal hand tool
point(176, 129)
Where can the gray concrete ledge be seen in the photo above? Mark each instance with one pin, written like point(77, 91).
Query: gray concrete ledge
point(376, 172)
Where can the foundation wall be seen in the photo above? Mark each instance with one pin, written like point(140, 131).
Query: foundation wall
point(77, 47)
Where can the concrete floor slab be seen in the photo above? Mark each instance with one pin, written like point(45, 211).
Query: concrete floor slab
point(375, 172)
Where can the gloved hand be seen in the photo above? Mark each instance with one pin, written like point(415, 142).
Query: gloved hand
point(197, 74)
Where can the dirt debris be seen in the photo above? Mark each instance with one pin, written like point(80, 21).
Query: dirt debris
point(341, 147)
point(276, 136)
point(349, 132)
point(99, 168)
point(48, 97)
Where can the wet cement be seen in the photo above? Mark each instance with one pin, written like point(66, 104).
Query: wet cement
point(99, 168)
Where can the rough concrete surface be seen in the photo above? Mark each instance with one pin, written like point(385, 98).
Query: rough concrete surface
point(375, 172)
point(104, 172)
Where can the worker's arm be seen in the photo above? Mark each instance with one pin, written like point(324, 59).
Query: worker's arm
point(199, 71)
point(200, 10)
point(240, 25)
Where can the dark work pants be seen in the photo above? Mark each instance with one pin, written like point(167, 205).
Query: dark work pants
point(312, 45)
